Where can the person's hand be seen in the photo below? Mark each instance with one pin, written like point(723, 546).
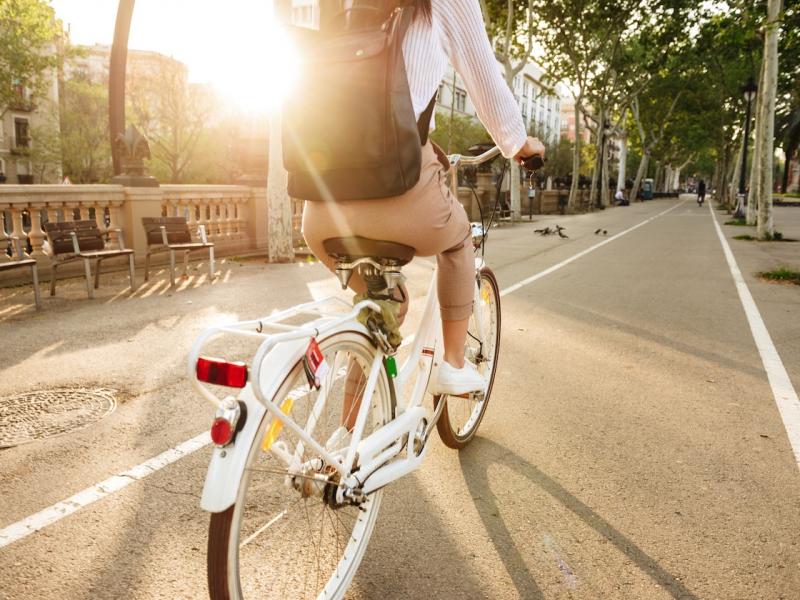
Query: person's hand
point(531, 147)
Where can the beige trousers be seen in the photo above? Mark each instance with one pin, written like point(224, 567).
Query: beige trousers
point(427, 217)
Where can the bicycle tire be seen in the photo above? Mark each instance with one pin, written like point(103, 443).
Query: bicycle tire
point(226, 538)
point(452, 436)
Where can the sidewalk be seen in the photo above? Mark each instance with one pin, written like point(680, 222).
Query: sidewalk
point(779, 303)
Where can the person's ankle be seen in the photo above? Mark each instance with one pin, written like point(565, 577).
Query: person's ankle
point(455, 362)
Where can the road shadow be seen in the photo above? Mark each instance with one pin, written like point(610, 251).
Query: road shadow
point(476, 460)
point(412, 553)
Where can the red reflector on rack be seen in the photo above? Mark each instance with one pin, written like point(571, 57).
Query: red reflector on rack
point(219, 372)
point(221, 432)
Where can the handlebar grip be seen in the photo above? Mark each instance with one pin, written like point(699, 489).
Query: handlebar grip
point(533, 163)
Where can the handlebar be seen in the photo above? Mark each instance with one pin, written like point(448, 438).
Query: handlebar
point(532, 163)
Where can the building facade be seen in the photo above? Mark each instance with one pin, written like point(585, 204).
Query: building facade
point(539, 102)
point(25, 126)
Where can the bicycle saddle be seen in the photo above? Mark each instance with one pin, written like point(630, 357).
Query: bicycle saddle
point(351, 248)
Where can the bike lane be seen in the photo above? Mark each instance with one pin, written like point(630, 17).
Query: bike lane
point(633, 448)
point(157, 525)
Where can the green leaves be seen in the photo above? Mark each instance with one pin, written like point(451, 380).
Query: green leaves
point(28, 36)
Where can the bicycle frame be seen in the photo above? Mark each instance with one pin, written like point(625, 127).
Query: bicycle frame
point(283, 345)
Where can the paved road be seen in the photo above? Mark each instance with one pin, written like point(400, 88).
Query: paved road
point(632, 449)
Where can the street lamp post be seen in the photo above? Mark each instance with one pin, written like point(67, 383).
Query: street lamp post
point(749, 90)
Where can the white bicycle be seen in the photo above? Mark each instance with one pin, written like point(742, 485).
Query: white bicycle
point(323, 420)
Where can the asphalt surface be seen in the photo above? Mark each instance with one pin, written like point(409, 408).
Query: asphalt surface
point(632, 447)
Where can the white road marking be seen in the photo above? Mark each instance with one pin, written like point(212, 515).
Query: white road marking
point(113, 484)
point(564, 263)
point(56, 512)
point(782, 388)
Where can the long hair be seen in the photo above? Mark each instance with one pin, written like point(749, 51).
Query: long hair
point(424, 8)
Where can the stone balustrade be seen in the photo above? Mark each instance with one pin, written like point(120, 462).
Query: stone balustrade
point(235, 217)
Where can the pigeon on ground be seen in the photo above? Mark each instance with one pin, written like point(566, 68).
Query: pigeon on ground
point(561, 233)
point(598, 232)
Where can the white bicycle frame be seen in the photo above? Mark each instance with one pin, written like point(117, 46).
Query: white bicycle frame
point(392, 451)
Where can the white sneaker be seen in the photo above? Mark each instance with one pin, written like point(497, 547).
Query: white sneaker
point(455, 382)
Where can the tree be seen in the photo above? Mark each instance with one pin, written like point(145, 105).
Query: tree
point(27, 29)
point(172, 114)
point(510, 27)
point(86, 153)
point(45, 152)
point(765, 230)
point(466, 132)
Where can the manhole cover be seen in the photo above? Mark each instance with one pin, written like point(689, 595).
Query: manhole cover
point(46, 413)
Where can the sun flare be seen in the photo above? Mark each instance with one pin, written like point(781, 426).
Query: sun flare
point(250, 61)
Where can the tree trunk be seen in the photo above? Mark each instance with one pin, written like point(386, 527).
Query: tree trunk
point(764, 228)
point(513, 171)
point(640, 175)
point(623, 163)
point(755, 168)
point(669, 173)
point(734, 185)
point(787, 163)
point(657, 177)
point(279, 205)
point(595, 194)
point(604, 173)
point(576, 155)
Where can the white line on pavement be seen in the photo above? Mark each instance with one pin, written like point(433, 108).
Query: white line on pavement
point(564, 263)
point(113, 484)
point(56, 512)
point(782, 388)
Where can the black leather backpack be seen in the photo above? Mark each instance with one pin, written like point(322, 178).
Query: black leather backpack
point(349, 131)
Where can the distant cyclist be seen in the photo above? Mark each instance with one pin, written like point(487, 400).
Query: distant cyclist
point(701, 192)
point(427, 217)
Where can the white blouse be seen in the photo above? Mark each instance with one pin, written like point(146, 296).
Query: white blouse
point(457, 33)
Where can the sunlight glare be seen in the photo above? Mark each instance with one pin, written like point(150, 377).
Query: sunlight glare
point(259, 76)
point(242, 52)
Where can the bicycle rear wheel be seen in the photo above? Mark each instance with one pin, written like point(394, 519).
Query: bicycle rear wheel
point(462, 416)
point(281, 538)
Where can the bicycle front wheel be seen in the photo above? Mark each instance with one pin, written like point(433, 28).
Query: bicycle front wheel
point(281, 538)
point(461, 416)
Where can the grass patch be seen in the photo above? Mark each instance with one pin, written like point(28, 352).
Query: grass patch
point(782, 274)
point(777, 236)
point(738, 223)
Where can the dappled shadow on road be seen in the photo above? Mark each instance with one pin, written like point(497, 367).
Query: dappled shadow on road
point(476, 460)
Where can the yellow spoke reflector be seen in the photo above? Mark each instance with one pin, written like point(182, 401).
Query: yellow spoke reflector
point(485, 294)
point(276, 426)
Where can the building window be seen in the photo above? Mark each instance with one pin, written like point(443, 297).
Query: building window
point(21, 133)
point(461, 100)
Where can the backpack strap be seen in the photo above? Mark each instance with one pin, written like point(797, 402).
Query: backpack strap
point(424, 123)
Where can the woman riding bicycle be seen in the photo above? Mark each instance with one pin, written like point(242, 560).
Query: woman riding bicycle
point(428, 217)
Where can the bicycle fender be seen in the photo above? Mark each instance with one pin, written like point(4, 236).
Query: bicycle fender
point(228, 464)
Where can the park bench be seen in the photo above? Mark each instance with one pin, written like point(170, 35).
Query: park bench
point(20, 262)
point(171, 234)
point(83, 240)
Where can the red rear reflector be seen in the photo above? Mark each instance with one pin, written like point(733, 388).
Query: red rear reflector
point(221, 432)
point(219, 372)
